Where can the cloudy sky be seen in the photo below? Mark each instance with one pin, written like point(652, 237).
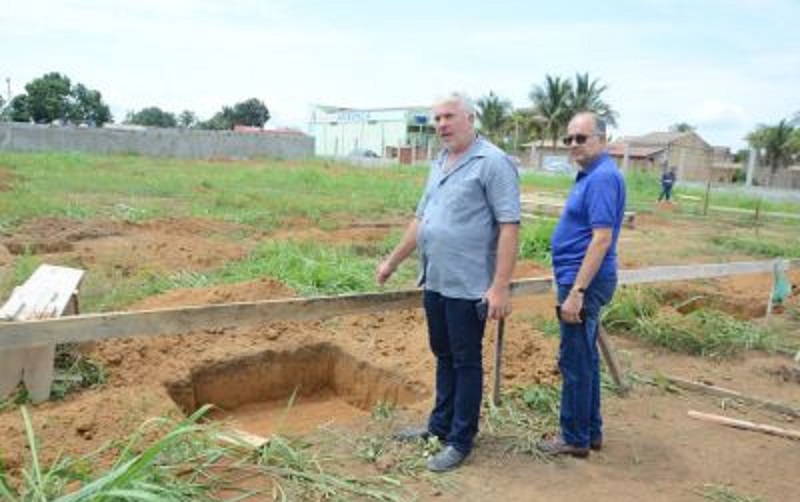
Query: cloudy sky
point(723, 66)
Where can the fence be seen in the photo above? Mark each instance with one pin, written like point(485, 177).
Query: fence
point(156, 142)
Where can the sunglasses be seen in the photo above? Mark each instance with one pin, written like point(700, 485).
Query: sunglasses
point(577, 139)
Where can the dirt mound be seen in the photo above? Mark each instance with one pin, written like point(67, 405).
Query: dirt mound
point(349, 233)
point(55, 234)
point(263, 289)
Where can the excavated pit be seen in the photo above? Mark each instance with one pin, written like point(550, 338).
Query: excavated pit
point(254, 392)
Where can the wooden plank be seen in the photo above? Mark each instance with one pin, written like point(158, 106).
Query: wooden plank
point(46, 294)
point(746, 425)
point(223, 316)
point(700, 271)
point(713, 390)
point(191, 319)
point(241, 438)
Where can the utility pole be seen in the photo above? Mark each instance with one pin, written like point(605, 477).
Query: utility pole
point(8, 86)
point(751, 166)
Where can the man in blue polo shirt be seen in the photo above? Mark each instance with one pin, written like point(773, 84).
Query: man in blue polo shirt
point(585, 264)
point(466, 232)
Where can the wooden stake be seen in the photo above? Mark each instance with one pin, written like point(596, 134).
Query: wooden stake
point(732, 394)
point(610, 357)
point(744, 424)
point(498, 360)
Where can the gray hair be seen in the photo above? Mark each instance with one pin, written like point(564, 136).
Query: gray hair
point(600, 124)
point(462, 99)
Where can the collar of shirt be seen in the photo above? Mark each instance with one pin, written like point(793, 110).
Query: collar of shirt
point(475, 150)
point(591, 167)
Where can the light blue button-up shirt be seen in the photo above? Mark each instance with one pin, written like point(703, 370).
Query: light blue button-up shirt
point(459, 217)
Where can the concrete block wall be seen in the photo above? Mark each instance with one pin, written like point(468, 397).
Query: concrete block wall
point(155, 142)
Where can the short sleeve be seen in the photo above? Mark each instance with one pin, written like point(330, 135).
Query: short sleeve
point(602, 200)
point(502, 189)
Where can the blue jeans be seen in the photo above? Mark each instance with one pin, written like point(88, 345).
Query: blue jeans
point(579, 362)
point(455, 334)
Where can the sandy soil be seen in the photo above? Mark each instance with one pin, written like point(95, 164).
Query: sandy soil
point(653, 451)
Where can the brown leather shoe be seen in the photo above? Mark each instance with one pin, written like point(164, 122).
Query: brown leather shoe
point(596, 444)
point(557, 446)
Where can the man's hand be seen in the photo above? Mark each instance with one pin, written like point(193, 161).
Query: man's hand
point(571, 308)
point(499, 300)
point(383, 271)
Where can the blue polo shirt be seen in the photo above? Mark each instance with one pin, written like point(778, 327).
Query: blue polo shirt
point(459, 216)
point(597, 200)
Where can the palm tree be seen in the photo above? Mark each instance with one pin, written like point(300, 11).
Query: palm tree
point(587, 97)
point(552, 101)
point(523, 125)
point(778, 144)
point(493, 114)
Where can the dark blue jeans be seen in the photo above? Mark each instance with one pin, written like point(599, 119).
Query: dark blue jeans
point(455, 334)
point(579, 362)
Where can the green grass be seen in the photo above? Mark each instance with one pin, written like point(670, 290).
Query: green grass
point(545, 181)
point(185, 461)
point(549, 326)
point(261, 193)
point(73, 371)
point(524, 416)
point(758, 247)
point(707, 332)
point(309, 268)
point(535, 240)
point(722, 493)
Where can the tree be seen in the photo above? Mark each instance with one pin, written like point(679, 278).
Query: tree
point(252, 112)
point(682, 127)
point(587, 97)
point(494, 114)
point(48, 97)
point(221, 121)
point(53, 97)
point(187, 119)
point(552, 102)
point(777, 144)
point(18, 109)
point(86, 106)
point(152, 116)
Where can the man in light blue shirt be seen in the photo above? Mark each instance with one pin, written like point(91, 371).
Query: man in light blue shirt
point(466, 232)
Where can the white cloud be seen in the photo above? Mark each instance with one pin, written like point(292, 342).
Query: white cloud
point(722, 72)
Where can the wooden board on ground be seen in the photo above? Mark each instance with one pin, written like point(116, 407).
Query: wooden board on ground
point(243, 314)
point(713, 390)
point(46, 294)
point(746, 425)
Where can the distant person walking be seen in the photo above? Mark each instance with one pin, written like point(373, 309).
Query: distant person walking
point(466, 233)
point(667, 182)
